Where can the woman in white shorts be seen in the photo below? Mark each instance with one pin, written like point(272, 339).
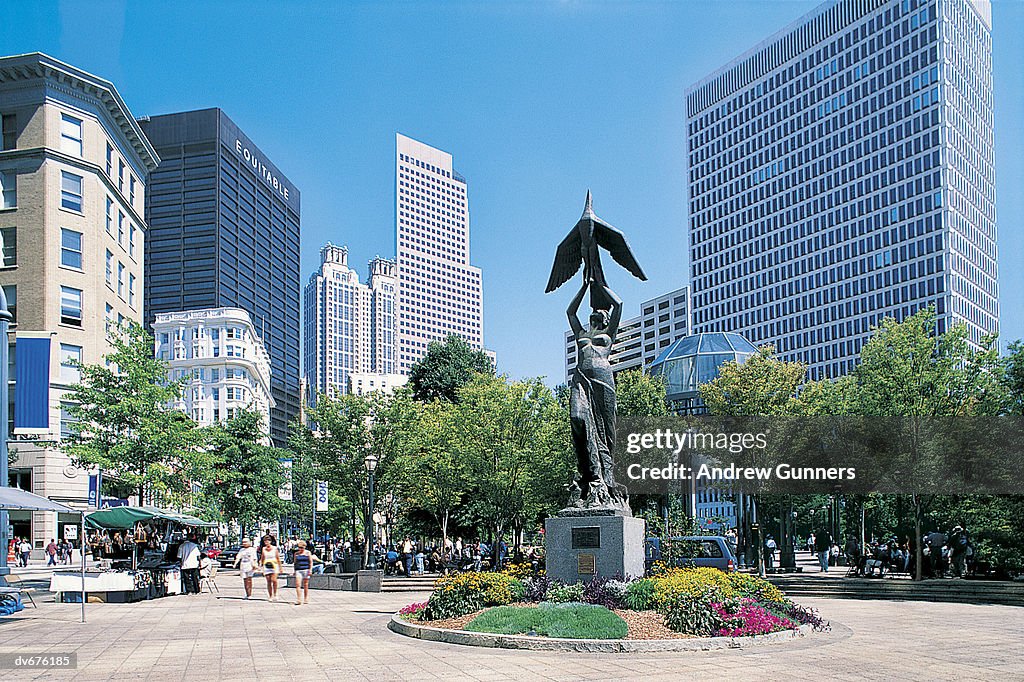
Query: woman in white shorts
point(246, 562)
point(270, 561)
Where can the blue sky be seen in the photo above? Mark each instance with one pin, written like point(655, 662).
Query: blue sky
point(537, 102)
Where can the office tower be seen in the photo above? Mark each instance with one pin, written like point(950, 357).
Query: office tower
point(383, 284)
point(220, 360)
point(641, 339)
point(73, 167)
point(349, 325)
point(225, 233)
point(841, 172)
point(439, 292)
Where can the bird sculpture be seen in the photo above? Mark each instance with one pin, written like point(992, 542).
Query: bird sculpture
point(581, 246)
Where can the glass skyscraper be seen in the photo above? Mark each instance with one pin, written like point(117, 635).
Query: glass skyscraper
point(224, 232)
point(842, 171)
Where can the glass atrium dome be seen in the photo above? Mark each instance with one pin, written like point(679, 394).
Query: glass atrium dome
point(694, 360)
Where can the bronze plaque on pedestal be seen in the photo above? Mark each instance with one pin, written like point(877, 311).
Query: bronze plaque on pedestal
point(586, 564)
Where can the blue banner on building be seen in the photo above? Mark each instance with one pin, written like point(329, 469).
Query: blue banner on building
point(32, 377)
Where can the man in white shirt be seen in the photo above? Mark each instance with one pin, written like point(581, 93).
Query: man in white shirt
point(25, 549)
point(188, 555)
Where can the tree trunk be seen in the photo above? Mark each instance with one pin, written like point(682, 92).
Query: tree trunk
point(444, 531)
point(919, 553)
point(759, 550)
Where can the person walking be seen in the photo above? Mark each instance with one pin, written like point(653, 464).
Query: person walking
point(303, 565)
point(270, 560)
point(51, 553)
point(769, 553)
point(959, 541)
point(188, 555)
point(823, 546)
point(246, 562)
point(25, 549)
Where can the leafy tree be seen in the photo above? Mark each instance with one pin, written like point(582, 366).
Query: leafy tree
point(762, 386)
point(124, 422)
point(246, 473)
point(349, 428)
point(639, 394)
point(435, 475)
point(1013, 378)
point(515, 437)
point(445, 368)
point(909, 370)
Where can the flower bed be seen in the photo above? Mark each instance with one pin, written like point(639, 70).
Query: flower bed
point(694, 602)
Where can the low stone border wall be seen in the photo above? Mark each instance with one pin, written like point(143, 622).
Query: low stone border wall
point(601, 646)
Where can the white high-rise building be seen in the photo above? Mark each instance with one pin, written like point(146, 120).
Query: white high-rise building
point(222, 361)
point(439, 292)
point(349, 325)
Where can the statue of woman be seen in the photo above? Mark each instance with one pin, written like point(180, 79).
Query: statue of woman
point(592, 407)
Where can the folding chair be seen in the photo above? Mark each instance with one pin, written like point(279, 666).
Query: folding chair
point(209, 580)
point(17, 590)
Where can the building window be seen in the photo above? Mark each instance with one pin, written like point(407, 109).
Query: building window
point(70, 363)
point(131, 290)
point(71, 248)
point(110, 161)
point(8, 128)
point(71, 306)
point(120, 177)
point(71, 135)
point(120, 228)
point(110, 216)
point(120, 279)
point(9, 189)
point(131, 189)
point(71, 191)
point(110, 269)
point(11, 294)
point(8, 247)
point(109, 318)
point(131, 240)
point(67, 420)
point(215, 376)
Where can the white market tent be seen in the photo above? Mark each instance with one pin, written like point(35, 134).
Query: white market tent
point(16, 499)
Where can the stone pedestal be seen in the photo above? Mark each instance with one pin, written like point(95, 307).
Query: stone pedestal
point(578, 547)
point(369, 581)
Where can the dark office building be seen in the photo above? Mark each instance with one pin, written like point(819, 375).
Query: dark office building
point(224, 231)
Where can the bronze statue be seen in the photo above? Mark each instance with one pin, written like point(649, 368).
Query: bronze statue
point(592, 402)
point(581, 246)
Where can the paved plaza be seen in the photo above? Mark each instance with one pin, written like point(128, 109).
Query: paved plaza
point(344, 636)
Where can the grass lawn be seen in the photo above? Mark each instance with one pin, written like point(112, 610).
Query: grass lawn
point(571, 621)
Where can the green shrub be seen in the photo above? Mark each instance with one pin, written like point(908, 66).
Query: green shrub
point(565, 593)
point(693, 614)
point(462, 593)
point(568, 620)
point(640, 595)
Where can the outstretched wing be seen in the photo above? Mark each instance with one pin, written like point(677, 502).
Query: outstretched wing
point(567, 261)
point(615, 242)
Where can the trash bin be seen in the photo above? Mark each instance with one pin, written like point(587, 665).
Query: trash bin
point(354, 562)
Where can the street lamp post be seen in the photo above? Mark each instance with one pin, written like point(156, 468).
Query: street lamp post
point(371, 557)
point(5, 323)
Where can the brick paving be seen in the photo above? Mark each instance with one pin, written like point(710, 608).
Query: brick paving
point(343, 636)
